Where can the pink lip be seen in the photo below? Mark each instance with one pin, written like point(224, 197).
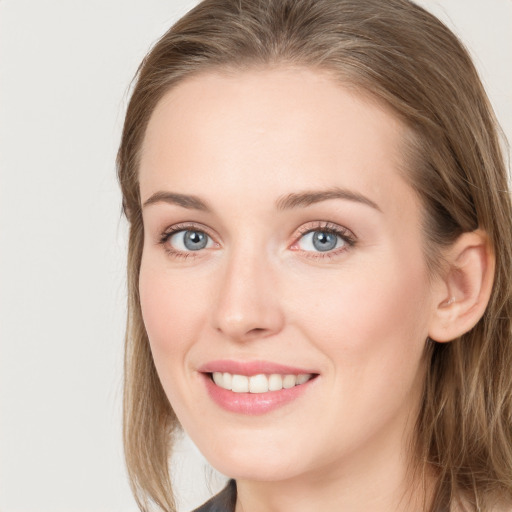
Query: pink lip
point(249, 368)
point(252, 403)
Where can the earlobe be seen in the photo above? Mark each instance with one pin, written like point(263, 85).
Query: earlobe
point(465, 288)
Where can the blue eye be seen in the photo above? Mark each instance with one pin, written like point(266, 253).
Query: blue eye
point(322, 241)
point(189, 240)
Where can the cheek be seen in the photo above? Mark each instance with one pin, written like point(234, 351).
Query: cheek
point(372, 328)
point(375, 316)
point(171, 309)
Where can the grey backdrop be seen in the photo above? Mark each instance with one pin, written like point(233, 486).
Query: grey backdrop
point(65, 66)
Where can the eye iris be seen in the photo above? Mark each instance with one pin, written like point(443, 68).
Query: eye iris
point(324, 241)
point(195, 240)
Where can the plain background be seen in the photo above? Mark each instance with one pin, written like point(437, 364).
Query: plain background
point(65, 68)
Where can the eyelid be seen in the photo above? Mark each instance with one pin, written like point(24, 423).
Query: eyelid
point(184, 226)
point(327, 226)
point(323, 225)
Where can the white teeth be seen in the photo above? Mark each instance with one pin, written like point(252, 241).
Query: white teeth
point(259, 383)
point(289, 381)
point(303, 378)
point(227, 380)
point(217, 378)
point(275, 382)
point(240, 384)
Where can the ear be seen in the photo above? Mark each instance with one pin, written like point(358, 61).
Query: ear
point(465, 287)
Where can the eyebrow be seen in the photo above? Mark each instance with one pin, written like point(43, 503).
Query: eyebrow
point(287, 202)
point(183, 200)
point(309, 197)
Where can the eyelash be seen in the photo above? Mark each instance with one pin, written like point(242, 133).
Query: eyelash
point(324, 227)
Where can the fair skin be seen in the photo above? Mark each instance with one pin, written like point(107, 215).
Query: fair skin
point(354, 316)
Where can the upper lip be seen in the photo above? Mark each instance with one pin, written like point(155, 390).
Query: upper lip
point(249, 368)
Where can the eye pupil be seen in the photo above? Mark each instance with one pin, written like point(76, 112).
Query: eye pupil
point(324, 241)
point(195, 240)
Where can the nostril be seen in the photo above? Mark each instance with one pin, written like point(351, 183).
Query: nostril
point(257, 330)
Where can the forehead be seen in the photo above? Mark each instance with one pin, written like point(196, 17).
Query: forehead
point(265, 130)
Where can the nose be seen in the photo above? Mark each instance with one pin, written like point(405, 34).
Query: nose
point(248, 302)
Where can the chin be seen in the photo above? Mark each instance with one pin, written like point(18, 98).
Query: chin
point(243, 463)
point(256, 472)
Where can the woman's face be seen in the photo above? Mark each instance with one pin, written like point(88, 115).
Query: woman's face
point(281, 239)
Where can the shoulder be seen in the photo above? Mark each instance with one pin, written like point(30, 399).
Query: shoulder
point(225, 501)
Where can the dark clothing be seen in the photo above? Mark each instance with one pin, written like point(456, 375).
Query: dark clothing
point(225, 501)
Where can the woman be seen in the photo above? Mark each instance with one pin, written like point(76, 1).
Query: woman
point(319, 261)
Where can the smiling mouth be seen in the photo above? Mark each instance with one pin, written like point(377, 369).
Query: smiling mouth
point(261, 383)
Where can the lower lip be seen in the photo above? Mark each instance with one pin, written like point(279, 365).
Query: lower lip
point(253, 403)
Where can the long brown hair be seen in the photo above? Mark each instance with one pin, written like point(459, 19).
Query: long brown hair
point(405, 57)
